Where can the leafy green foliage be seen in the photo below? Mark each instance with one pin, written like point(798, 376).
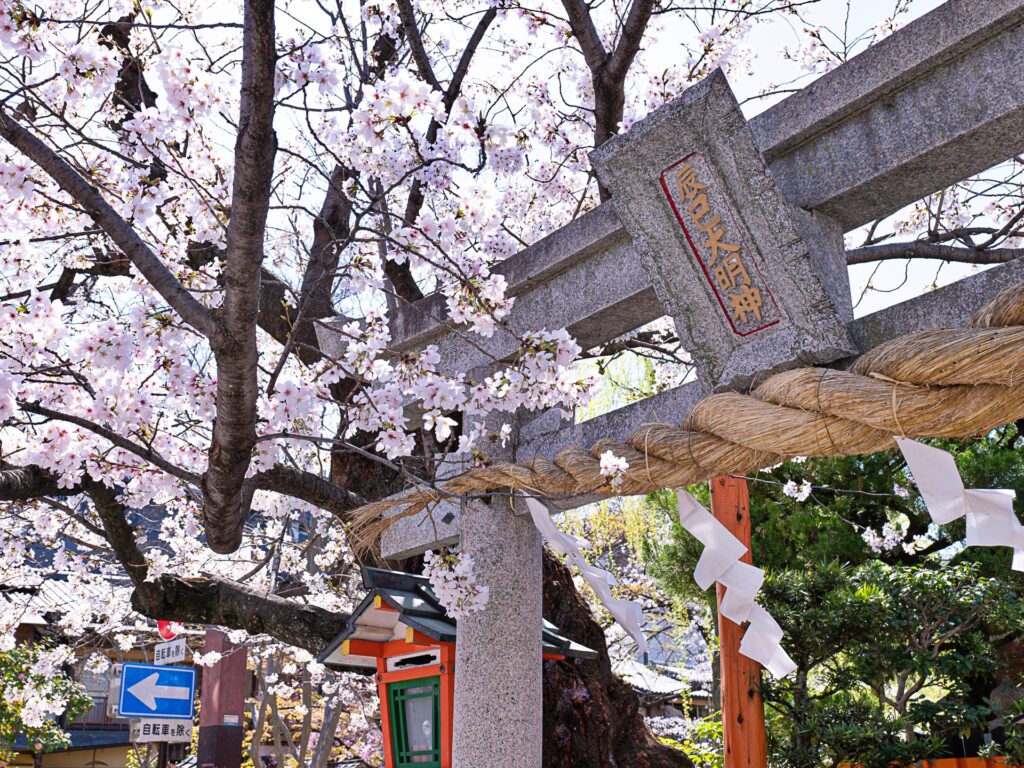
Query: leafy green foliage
point(1012, 748)
point(898, 643)
point(702, 743)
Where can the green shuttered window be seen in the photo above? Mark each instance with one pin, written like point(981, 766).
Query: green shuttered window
point(415, 710)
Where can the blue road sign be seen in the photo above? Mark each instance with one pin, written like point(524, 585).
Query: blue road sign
point(151, 691)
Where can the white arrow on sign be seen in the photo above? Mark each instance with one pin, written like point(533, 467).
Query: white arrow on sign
point(148, 691)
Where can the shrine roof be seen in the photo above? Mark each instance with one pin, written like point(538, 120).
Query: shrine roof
point(396, 602)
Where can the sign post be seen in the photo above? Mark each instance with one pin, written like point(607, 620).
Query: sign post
point(150, 691)
point(149, 730)
point(171, 652)
point(222, 714)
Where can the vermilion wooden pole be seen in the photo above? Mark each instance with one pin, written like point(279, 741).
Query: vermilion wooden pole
point(742, 708)
point(222, 710)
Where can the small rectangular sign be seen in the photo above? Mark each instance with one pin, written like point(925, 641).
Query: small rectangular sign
point(153, 730)
point(171, 652)
point(149, 691)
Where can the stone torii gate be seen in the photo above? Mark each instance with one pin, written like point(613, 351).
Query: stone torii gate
point(735, 230)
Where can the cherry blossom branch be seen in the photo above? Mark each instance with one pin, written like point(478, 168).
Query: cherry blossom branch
point(116, 228)
point(399, 274)
point(115, 439)
point(31, 482)
point(419, 53)
point(308, 487)
point(608, 71)
point(582, 25)
point(208, 599)
point(632, 36)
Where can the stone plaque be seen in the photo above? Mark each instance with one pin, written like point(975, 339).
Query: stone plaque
point(729, 256)
point(711, 232)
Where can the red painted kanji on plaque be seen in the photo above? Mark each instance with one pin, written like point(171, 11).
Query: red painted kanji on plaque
point(714, 238)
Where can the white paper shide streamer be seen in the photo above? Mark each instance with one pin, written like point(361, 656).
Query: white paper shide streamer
point(720, 562)
point(627, 613)
point(991, 521)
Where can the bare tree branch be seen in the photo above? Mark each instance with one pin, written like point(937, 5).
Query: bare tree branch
point(924, 250)
point(462, 68)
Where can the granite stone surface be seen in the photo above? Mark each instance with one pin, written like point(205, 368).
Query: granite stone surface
point(728, 260)
point(498, 659)
point(932, 104)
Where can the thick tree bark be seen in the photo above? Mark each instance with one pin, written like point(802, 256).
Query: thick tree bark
point(208, 599)
point(27, 483)
point(227, 604)
point(591, 718)
point(608, 69)
point(234, 344)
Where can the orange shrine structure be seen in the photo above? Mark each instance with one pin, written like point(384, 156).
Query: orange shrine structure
point(401, 634)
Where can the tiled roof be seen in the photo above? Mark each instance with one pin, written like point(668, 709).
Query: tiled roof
point(416, 606)
point(647, 679)
point(88, 739)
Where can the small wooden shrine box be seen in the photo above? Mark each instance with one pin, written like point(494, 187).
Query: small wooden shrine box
point(400, 633)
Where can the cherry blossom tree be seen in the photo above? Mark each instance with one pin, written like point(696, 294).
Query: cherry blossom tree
point(190, 192)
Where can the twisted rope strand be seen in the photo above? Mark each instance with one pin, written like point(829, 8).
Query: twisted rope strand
point(939, 383)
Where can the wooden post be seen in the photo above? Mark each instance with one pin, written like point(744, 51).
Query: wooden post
point(222, 711)
point(742, 708)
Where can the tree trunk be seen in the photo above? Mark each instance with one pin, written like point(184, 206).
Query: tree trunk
point(591, 718)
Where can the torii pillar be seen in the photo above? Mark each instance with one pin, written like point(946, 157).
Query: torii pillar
point(499, 702)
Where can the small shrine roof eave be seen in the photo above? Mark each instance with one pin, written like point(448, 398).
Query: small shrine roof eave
point(397, 602)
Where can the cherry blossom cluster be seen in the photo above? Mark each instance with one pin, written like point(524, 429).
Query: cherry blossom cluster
point(799, 492)
point(35, 691)
point(452, 577)
point(894, 536)
point(613, 468)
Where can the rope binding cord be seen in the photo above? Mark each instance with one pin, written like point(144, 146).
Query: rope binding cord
point(955, 382)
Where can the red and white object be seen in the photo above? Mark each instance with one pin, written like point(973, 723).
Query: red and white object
point(168, 630)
